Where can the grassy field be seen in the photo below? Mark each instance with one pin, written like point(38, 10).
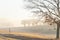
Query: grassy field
point(5, 38)
point(30, 35)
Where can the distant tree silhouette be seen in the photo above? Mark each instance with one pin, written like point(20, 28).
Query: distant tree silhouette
point(30, 22)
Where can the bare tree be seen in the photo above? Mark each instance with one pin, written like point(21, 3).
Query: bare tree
point(49, 8)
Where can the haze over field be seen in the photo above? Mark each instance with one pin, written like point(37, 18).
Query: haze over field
point(12, 12)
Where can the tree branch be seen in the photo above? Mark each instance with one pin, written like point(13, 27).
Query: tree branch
point(51, 3)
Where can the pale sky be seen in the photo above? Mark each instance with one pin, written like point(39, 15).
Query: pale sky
point(13, 11)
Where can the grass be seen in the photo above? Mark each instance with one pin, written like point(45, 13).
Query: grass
point(34, 35)
point(31, 35)
point(5, 38)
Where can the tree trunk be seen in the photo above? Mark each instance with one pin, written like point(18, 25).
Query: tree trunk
point(57, 34)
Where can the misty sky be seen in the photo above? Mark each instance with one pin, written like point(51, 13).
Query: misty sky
point(12, 11)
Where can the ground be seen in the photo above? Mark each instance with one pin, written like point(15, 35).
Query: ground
point(5, 35)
